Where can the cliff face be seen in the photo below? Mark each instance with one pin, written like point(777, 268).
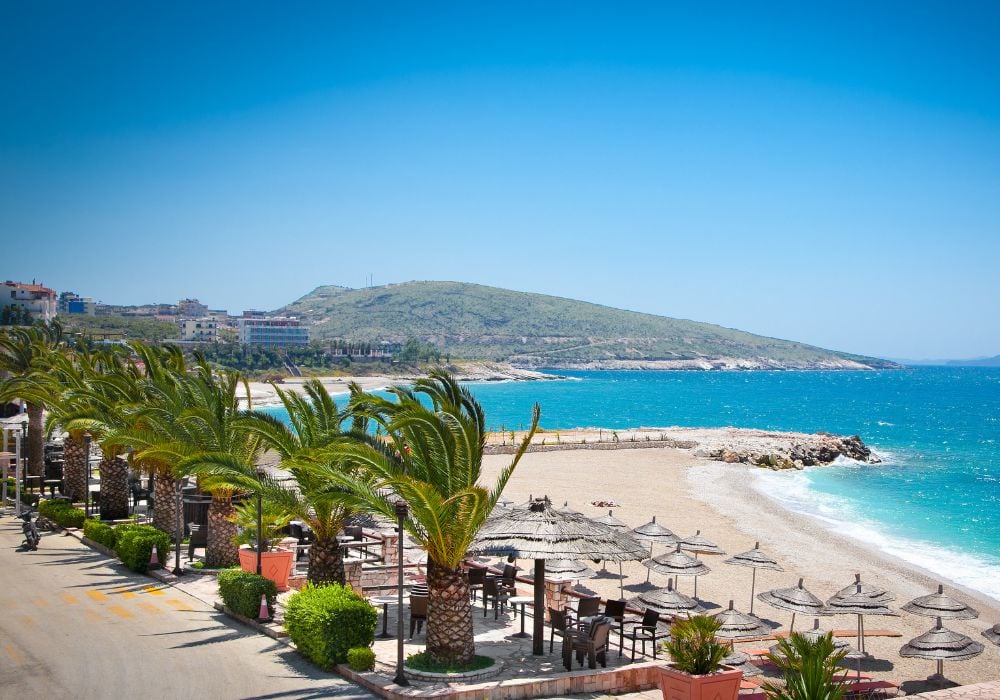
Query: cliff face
point(474, 322)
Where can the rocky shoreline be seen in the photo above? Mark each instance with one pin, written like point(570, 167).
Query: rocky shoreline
point(761, 448)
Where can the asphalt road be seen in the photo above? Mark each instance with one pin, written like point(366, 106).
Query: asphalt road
point(75, 624)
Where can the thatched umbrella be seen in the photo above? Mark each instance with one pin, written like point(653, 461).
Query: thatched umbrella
point(993, 634)
point(667, 601)
point(867, 589)
point(653, 532)
point(566, 510)
point(739, 625)
point(676, 563)
point(940, 605)
point(858, 603)
point(941, 644)
point(566, 570)
point(541, 533)
point(814, 634)
point(796, 599)
point(699, 545)
point(615, 524)
point(755, 559)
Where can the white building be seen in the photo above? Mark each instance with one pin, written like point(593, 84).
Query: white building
point(41, 302)
point(277, 331)
point(200, 330)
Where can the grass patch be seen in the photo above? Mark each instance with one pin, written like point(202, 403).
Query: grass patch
point(422, 662)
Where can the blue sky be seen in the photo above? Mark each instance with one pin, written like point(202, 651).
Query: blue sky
point(822, 172)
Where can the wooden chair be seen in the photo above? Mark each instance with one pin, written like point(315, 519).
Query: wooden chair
point(418, 612)
point(646, 630)
point(494, 590)
point(591, 641)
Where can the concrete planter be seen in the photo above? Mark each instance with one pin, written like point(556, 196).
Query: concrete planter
point(722, 685)
point(275, 565)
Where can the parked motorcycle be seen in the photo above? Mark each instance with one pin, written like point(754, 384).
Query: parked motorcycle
point(30, 530)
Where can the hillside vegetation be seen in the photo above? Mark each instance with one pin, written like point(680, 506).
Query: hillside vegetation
point(534, 330)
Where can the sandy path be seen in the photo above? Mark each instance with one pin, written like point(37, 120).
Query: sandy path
point(687, 493)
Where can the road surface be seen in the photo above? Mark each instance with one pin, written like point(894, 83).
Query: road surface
point(75, 624)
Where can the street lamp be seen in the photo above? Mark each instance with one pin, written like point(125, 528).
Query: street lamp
point(400, 679)
point(178, 571)
point(86, 475)
point(260, 520)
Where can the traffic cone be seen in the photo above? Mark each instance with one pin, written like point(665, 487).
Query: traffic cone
point(264, 615)
point(154, 561)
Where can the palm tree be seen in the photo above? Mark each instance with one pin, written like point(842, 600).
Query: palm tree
point(27, 352)
point(432, 459)
point(315, 424)
point(808, 667)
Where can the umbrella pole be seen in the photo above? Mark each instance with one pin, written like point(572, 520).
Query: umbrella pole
point(792, 628)
point(621, 581)
point(753, 587)
point(538, 636)
point(696, 588)
point(650, 556)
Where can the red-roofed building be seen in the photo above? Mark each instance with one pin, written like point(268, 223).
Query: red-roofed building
point(39, 301)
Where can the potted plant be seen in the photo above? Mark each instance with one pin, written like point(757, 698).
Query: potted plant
point(808, 667)
point(696, 669)
point(276, 563)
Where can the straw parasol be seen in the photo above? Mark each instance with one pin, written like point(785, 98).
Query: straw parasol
point(796, 599)
point(941, 644)
point(867, 589)
point(940, 605)
point(737, 659)
point(739, 625)
point(814, 634)
point(541, 533)
point(860, 603)
point(993, 634)
point(667, 601)
point(566, 570)
point(566, 510)
point(755, 559)
point(676, 563)
point(611, 521)
point(653, 532)
point(699, 545)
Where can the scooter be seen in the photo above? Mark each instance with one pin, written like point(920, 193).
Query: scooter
point(30, 530)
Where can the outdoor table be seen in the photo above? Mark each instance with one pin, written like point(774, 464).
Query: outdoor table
point(521, 600)
point(385, 601)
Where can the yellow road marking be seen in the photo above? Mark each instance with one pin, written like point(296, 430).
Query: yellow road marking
point(14, 654)
point(120, 612)
point(69, 598)
point(40, 603)
point(152, 591)
point(125, 593)
point(178, 604)
point(150, 608)
point(99, 596)
point(92, 616)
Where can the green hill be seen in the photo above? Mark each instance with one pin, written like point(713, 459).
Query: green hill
point(476, 322)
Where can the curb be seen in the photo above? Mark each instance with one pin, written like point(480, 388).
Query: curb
point(278, 636)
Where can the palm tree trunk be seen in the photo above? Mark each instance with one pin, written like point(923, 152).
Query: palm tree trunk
point(36, 441)
point(74, 468)
point(114, 488)
point(449, 616)
point(326, 562)
point(165, 503)
point(221, 549)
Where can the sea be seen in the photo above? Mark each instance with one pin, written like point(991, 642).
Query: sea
point(934, 501)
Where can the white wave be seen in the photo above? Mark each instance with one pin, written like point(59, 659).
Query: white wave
point(883, 422)
point(793, 491)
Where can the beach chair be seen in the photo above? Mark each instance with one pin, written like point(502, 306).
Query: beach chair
point(588, 607)
point(418, 612)
point(494, 591)
point(559, 622)
point(477, 577)
point(645, 630)
point(615, 609)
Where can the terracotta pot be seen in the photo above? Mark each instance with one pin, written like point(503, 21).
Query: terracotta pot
point(275, 565)
point(722, 685)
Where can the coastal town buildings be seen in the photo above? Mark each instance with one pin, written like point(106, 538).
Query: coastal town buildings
point(39, 301)
point(199, 330)
point(72, 303)
point(276, 331)
point(191, 308)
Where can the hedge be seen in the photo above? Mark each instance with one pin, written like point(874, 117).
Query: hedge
point(134, 543)
point(27, 498)
point(325, 622)
point(62, 513)
point(361, 659)
point(101, 533)
point(241, 592)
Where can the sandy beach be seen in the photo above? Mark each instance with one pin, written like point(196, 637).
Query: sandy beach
point(687, 493)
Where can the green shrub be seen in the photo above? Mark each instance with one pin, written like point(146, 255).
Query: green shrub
point(692, 645)
point(62, 513)
point(809, 669)
point(241, 592)
point(101, 533)
point(327, 621)
point(361, 658)
point(134, 543)
point(422, 662)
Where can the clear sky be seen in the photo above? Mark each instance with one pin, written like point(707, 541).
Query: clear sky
point(821, 172)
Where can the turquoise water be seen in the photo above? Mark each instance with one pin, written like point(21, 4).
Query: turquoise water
point(935, 500)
